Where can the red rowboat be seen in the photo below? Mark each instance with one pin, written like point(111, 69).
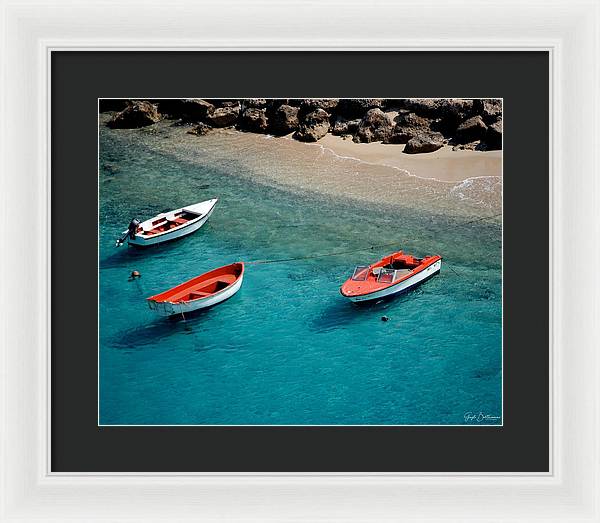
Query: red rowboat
point(201, 292)
point(391, 275)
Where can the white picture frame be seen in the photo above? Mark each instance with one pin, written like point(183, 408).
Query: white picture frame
point(567, 29)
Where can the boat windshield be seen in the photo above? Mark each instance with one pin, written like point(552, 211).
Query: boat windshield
point(361, 273)
point(387, 276)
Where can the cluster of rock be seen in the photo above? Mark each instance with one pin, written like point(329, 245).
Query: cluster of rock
point(423, 125)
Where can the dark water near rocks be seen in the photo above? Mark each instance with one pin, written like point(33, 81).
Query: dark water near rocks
point(288, 348)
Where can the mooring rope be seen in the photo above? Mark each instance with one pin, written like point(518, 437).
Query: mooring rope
point(483, 218)
point(337, 253)
point(454, 271)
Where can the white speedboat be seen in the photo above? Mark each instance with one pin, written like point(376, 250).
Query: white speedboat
point(390, 276)
point(169, 225)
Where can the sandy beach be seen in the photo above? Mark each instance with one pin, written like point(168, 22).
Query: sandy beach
point(375, 131)
point(467, 182)
point(444, 164)
point(460, 182)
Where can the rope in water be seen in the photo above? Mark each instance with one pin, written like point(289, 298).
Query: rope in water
point(460, 273)
point(261, 262)
point(338, 253)
point(484, 218)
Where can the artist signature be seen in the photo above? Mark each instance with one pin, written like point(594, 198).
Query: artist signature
point(479, 417)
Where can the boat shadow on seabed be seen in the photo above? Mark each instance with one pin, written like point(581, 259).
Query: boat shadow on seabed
point(124, 256)
point(160, 328)
point(340, 312)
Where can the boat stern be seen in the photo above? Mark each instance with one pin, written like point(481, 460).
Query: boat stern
point(163, 308)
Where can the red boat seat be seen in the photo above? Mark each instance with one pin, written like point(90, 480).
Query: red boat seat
point(194, 295)
point(219, 283)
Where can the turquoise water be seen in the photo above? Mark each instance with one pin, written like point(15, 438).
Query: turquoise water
point(288, 348)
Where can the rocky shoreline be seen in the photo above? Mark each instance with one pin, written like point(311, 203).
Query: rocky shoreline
point(421, 125)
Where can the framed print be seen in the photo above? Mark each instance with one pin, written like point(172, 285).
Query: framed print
point(405, 178)
point(356, 153)
point(334, 274)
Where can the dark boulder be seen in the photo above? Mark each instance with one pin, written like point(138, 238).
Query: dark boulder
point(490, 109)
point(399, 135)
point(136, 114)
point(253, 120)
point(426, 107)
point(450, 114)
point(451, 111)
point(223, 116)
point(229, 103)
point(313, 126)
point(284, 119)
point(424, 143)
point(273, 103)
point(493, 138)
point(254, 103)
point(412, 121)
point(407, 126)
point(111, 104)
point(223, 102)
point(396, 104)
point(352, 108)
point(343, 127)
point(471, 130)
point(200, 130)
point(472, 146)
point(294, 102)
point(310, 105)
point(459, 108)
point(189, 109)
point(375, 126)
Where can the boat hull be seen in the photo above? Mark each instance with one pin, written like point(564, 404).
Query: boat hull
point(400, 287)
point(171, 309)
point(179, 232)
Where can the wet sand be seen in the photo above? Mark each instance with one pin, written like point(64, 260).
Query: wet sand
point(444, 164)
point(468, 182)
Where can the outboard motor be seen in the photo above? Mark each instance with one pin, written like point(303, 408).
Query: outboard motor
point(131, 230)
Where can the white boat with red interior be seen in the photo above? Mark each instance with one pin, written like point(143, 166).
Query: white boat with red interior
point(169, 225)
point(390, 276)
point(201, 292)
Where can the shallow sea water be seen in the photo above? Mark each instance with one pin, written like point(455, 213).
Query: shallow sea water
point(288, 348)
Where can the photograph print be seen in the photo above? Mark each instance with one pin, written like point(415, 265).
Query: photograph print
point(300, 262)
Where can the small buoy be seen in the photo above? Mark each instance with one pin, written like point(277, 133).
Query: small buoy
point(134, 275)
point(384, 318)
